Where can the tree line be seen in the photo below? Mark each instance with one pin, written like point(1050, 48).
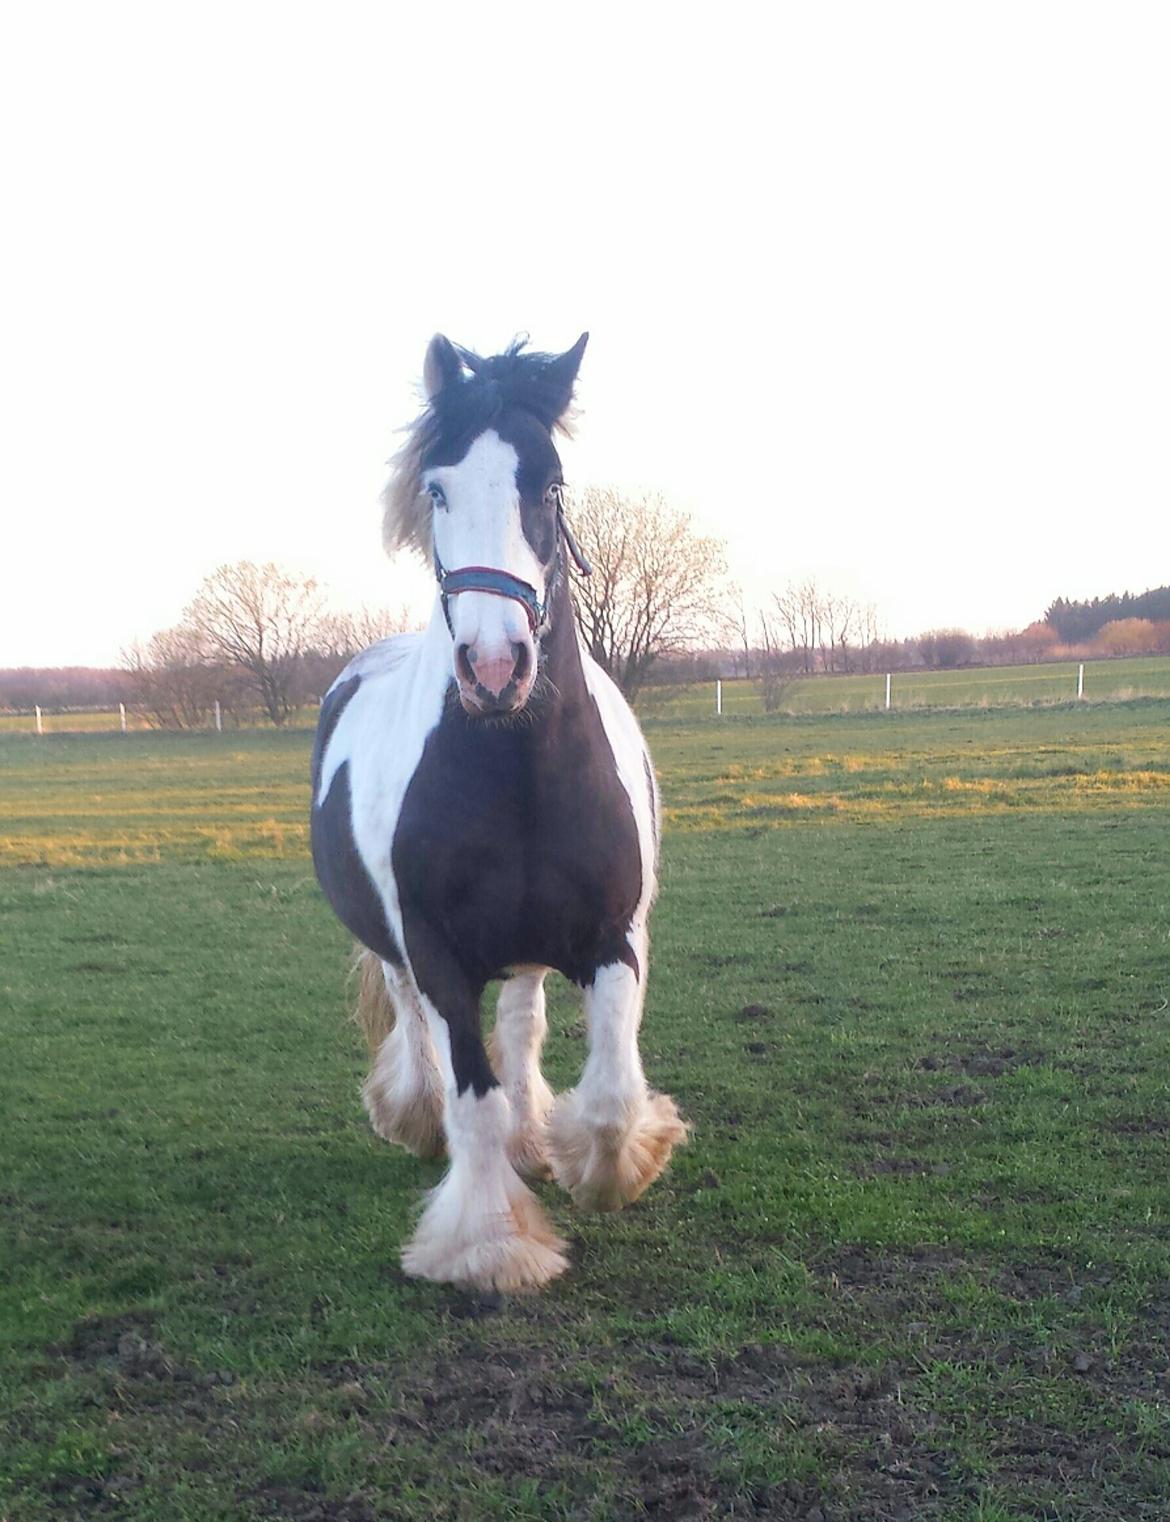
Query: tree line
point(254, 637)
point(660, 607)
point(1077, 622)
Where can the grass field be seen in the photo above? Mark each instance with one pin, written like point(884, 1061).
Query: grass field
point(909, 984)
point(978, 687)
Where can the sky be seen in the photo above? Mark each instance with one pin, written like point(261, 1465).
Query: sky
point(877, 293)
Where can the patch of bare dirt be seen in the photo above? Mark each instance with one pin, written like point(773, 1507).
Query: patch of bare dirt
point(901, 1167)
point(306, 1505)
point(981, 1061)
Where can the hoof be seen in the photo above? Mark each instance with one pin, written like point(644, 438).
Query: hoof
point(517, 1249)
point(605, 1167)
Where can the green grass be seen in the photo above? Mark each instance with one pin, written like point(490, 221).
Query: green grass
point(909, 984)
point(979, 687)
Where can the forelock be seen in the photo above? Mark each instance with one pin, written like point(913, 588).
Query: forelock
point(451, 423)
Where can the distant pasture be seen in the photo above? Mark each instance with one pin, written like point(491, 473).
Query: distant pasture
point(971, 687)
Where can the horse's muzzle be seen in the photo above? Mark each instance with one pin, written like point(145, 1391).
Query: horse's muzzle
point(494, 683)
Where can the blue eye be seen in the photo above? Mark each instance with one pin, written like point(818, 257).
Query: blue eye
point(436, 494)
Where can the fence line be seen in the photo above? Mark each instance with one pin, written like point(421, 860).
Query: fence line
point(1127, 677)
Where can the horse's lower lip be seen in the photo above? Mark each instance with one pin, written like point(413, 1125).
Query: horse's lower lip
point(482, 705)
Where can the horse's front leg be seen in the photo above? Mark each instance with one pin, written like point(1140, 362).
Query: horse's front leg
point(482, 1226)
point(521, 1026)
point(611, 1136)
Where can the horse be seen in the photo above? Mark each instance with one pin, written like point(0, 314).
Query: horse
point(484, 807)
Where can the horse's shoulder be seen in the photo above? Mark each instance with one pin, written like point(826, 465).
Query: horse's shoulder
point(366, 673)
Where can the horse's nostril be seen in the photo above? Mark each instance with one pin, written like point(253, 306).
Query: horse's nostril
point(523, 661)
point(465, 658)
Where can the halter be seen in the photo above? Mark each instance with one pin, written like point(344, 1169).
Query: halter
point(486, 578)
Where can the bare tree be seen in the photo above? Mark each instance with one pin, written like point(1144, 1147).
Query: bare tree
point(172, 678)
point(743, 632)
point(344, 635)
point(260, 620)
point(657, 587)
point(799, 613)
point(838, 615)
point(776, 677)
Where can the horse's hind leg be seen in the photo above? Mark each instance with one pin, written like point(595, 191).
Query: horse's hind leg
point(482, 1226)
point(403, 1094)
point(611, 1136)
point(521, 1026)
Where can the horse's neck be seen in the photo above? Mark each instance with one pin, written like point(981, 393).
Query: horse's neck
point(561, 651)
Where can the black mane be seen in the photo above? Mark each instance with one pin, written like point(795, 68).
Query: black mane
point(484, 390)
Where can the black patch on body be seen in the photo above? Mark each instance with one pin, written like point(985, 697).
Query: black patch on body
point(516, 843)
point(333, 705)
point(340, 869)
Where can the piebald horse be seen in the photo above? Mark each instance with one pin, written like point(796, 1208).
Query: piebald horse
point(484, 807)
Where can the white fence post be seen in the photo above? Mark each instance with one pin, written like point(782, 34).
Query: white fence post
point(718, 697)
point(887, 691)
point(1081, 680)
point(40, 729)
point(122, 715)
point(218, 718)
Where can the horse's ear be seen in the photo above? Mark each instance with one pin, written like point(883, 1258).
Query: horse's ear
point(556, 383)
point(442, 366)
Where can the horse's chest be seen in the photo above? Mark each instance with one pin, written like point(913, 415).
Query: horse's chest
point(516, 853)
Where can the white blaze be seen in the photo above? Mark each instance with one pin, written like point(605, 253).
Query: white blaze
point(481, 526)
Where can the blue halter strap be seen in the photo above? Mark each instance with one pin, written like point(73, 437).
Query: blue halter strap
point(485, 578)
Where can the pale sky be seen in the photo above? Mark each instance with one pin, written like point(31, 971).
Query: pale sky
point(878, 292)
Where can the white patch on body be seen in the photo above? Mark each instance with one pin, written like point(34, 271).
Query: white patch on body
point(381, 733)
point(632, 761)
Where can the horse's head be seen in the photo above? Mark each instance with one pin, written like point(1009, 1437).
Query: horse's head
point(478, 491)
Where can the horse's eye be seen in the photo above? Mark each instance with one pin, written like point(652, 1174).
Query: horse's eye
point(436, 494)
